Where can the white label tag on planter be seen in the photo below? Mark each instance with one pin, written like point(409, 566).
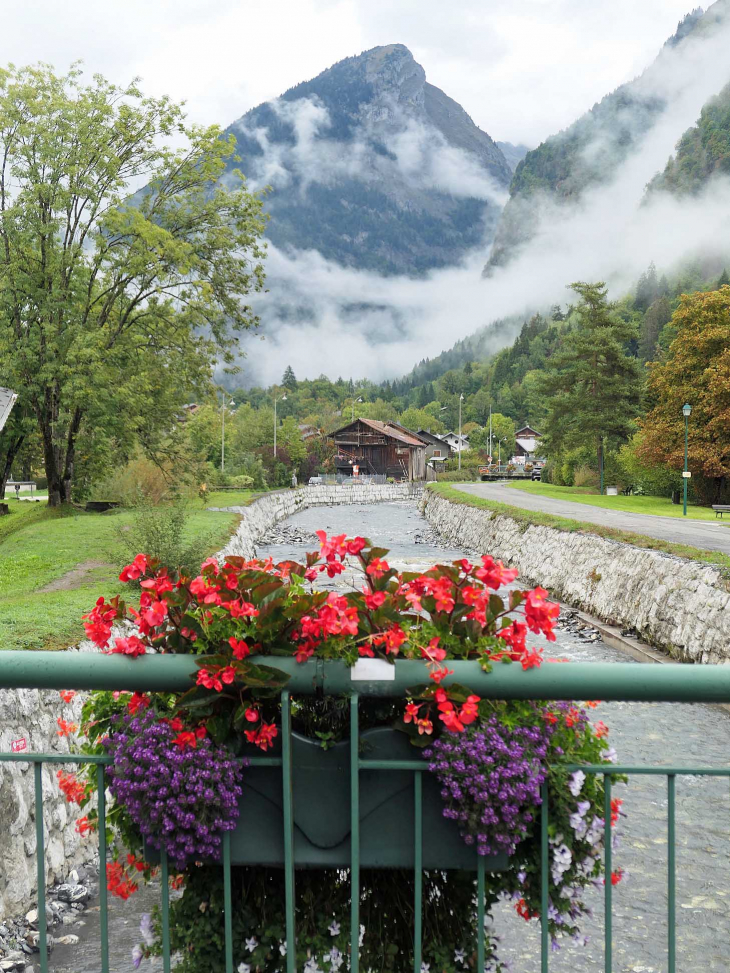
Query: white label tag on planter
point(372, 670)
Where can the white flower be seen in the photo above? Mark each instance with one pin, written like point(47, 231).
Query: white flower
point(244, 968)
point(251, 944)
point(335, 958)
point(611, 756)
point(362, 936)
point(334, 928)
point(460, 956)
point(282, 948)
point(575, 782)
point(312, 966)
point(425, 967)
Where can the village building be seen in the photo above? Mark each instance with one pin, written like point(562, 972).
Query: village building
point(437, 449)
point(368, 447)
point(459, 444)
point(527, 446)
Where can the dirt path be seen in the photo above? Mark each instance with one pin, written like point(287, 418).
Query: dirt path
point(75, 577)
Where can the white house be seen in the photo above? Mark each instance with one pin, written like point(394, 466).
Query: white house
point(459, 444)
point(528, 443)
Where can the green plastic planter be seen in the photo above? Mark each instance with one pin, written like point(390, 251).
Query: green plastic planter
point(321, 802)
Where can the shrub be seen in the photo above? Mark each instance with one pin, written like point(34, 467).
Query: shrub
point(160, 531)
point(140, 481)
point(584, 476)
point(465, 475)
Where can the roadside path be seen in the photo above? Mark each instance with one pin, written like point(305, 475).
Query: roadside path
point(707, 535)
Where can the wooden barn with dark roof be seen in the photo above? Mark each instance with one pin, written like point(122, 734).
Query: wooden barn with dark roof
point(380, 448)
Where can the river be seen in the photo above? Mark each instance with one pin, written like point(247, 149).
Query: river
point(642, 733)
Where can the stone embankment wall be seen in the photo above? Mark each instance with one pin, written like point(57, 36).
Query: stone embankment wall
point(677, 605)
point(31, 715)
point(272, 508)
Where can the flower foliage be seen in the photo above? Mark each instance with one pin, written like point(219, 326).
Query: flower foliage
point(175, 777)
point(181, 797)
point(232, 611)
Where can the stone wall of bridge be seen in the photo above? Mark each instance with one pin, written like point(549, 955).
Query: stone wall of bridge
point(680, 606)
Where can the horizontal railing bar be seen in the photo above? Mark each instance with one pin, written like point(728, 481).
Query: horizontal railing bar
point(662, 771)
point(29, 757)
point(390, 764)
point(673, 682)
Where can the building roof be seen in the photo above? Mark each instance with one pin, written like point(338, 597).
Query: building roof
point(391, 429)
point(432, 438)
point(464, 437)
point(527, 432)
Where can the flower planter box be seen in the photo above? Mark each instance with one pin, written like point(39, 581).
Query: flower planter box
point(321, 802)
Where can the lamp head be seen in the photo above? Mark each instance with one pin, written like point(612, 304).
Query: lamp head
point(283, 398)
point(686, 409)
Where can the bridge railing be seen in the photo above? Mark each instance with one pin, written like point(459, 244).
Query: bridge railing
point(567, 681)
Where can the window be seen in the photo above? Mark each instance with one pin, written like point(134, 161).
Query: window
point(437, 452)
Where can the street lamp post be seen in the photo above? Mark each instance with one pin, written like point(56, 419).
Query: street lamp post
point(353, 408)
point(499, 448)
point(223, 432)
point(281, 399)
point(461, 399)
point(686, 411)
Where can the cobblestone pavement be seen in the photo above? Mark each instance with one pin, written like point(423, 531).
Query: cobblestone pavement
point(642, 733)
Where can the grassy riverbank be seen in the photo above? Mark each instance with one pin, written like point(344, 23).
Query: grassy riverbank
point(716, 558)
point(653, 506)
point(55, 563)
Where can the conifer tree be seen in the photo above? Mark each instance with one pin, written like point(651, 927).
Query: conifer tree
point(592, 386)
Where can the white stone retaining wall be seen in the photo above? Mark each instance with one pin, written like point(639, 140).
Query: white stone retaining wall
point(31, 715)
point(272, 508)
point(675, 604)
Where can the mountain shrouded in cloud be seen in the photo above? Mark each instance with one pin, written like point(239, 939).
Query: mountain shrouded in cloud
point(590, 151)
point(374, 168)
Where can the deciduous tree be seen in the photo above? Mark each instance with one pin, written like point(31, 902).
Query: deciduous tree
point(105, 295)
point(697, 372)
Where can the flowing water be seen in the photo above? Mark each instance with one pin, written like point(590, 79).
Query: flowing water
point(642, 733)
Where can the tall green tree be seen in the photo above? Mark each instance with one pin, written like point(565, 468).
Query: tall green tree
point(659, 314)
point(289, 380)
point(592, 386)
point(105, 296)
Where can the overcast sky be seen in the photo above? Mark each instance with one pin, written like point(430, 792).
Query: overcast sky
point(522, 70)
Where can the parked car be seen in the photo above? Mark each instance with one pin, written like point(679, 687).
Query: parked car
point(537, 473)
point(315, 481)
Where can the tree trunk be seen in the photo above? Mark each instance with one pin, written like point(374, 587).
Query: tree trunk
point(50, 461)
point(68, 469)
point(7, 463)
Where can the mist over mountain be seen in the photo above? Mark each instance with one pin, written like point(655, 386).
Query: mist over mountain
point(703, 152)
point(374, 168)
point(590, 151)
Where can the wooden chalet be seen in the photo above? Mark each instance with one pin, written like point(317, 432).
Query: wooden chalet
point(527, 444)
point(368, 447)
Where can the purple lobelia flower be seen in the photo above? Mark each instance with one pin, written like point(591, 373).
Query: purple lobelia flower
point(181, 798)
point(490, 778)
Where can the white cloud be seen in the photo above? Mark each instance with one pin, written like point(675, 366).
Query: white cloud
point(521, 71)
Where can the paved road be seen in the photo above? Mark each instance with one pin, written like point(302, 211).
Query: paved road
point(708, 535)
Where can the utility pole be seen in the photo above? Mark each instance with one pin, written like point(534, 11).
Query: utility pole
point(490, 432)
point(282, 399)
point(461, 399)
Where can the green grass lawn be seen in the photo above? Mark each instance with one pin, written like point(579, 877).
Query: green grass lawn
point(527, 517)
point(232, 498)
point(656, 506)
point(54, 564)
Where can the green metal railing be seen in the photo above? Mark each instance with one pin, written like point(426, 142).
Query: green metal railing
point(172, 673)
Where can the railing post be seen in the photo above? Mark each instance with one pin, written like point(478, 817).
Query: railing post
point(40, 864)
point(103, 897)
point(671, 874)
point(354, 836)
point(417, 870)
point(608, 867)
point(287, 801)
point(544, 878)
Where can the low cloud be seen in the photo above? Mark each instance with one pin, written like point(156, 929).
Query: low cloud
point(362, 325)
